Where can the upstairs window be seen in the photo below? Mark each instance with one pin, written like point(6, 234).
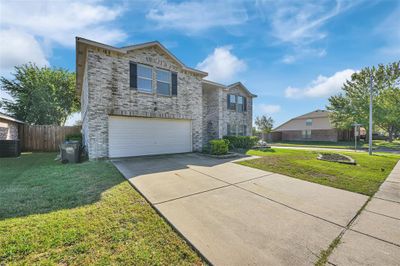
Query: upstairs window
point(309, 122)
point(144, 78)
point(163, 82)
point(240, 104)
point(232, 102)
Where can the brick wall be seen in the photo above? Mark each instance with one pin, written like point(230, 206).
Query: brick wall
point(233, 117)
point(316, 135)
point(109, 93)
point(211, 114)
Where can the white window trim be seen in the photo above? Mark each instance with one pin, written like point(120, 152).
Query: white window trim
point(305, 135)
point(234, 102)
point(239, 104)
point(170, 82)
point(141, 77)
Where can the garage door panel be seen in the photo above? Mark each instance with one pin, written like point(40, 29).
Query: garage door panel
point(146, 136)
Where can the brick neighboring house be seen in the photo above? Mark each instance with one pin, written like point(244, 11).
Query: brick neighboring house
point(313, 126)
point(9, 127)
point(142, 100)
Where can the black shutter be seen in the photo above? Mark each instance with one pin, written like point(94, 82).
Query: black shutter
point(133, 75)
point(244, 104)
point(174, 83)
point(227, 100)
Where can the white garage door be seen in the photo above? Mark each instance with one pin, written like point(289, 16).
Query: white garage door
point(132, 136)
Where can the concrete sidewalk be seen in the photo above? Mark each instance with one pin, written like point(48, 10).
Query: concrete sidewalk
point(374, 237)
point(236, 215)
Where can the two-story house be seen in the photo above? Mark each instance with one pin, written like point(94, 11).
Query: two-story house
point(142, 100)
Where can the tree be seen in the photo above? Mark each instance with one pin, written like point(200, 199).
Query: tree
point(264, 124)
point(352, 105)
point(42, 96)
point(254, 131)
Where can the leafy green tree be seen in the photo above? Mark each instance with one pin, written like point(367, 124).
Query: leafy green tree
point(264, 123)
point(42, 96)
point(352, 105)
point(254, 131)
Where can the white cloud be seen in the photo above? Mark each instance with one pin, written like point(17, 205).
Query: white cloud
point(322, 86)
point(61, 21)
point(18, 48)
point(288, 59)
point(196, 16)
point(222, 65)
point(269, 108)
point(33, 27)
point(300, 22)
point(302, 53)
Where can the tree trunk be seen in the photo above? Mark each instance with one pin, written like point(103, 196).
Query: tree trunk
point(390, 131)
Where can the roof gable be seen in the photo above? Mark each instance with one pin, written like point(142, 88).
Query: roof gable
point(9, 118)
point(313, 114)
point(237, 84)
point(126, 49)
point(159, 46)
point(241, 86)
point(81, 50)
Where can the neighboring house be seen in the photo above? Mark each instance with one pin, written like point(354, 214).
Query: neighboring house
point(142, 100)
point(9, 127)
point(313, 126)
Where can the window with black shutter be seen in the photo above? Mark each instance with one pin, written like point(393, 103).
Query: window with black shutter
point(232, 102)
point(163, 82)
point(132, 75)
point(144, 77)
point(240, 103)
point(174, 81)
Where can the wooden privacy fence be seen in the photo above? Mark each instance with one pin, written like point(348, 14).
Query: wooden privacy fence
point(44, 137)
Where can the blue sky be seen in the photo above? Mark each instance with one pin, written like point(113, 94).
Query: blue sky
point(292, 54)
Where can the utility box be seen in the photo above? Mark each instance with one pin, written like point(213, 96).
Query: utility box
point(70, 152)
point(10, 148)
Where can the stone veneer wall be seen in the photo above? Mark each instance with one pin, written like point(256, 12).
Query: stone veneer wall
point(109, 94)
point(8, 130)
point(211, 114)
point(234, 117)
point(84, 108)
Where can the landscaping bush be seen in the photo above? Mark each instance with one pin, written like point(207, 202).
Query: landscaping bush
point(76, 136)
point(241, 142)
point(219, 146)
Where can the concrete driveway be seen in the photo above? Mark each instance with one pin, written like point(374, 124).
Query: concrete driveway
point(236, 215)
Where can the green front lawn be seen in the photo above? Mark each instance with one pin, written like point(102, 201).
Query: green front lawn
point(376, 144)
point(394, 145)
point(317, 144)
point(364, 178)
point(79, 215)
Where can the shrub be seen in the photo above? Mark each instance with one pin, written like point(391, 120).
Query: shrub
point(241, 142)
point(76, 136)
point(219, 146)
